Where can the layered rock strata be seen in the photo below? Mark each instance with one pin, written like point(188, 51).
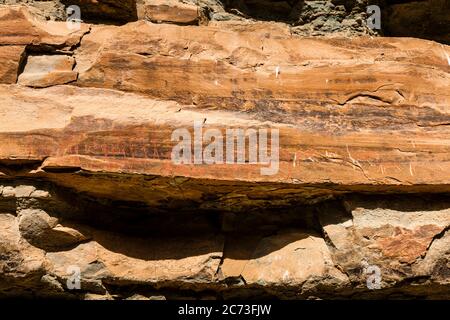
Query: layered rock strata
point(353, 202)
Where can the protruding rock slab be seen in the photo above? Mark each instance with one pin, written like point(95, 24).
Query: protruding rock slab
point(19, 27)
point(44, 232)
point(44, 71)
point(109, 131)
point(271, 74)
point(170, 11)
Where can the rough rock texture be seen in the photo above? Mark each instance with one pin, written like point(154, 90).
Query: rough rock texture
point(427, 19)
point(45, 71)
point(171, 11)
point(107, 11)
point(358, 207)
point(45, 9)
point(11, 60)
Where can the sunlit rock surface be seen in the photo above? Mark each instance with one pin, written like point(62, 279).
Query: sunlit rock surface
point(92, 205)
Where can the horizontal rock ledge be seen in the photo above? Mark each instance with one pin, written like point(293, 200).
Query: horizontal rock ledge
point(102, 130)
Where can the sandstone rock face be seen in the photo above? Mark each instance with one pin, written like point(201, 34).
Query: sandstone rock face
point(424, 19)
point(351, 200)
point(45, 71)
point(170, 11)
point(20, 27)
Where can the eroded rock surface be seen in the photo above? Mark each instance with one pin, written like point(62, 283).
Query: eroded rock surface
point(171, 11)
point(321, 250)
point(92, 205)
point(45, 71)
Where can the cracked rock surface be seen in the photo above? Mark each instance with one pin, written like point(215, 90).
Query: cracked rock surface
point(359, 205)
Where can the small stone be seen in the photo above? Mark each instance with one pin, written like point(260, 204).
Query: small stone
point(137, 297)
point(40, 194)
point(9, 192)
point(52, 282)
point(157, 298)
point(93, 296)
point(43, 231)
point(24, 191)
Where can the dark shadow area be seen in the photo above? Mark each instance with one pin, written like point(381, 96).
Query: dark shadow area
point(266, 10)
point(106, 11)
point(425, 19)
point(399, 202)
point(176, 291)
point(184, 229)
point(14, 167)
